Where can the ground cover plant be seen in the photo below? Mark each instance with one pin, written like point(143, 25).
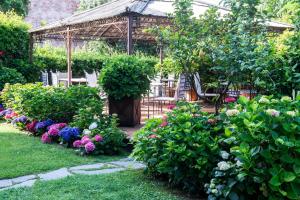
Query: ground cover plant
point(129, 185)
point(23, 155)
point(249, 151)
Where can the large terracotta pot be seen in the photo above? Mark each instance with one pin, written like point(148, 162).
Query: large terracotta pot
point(127, 109)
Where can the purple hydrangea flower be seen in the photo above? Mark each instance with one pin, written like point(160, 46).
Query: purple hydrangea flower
point(6, 112)
point(23, 119)
point(68, 134)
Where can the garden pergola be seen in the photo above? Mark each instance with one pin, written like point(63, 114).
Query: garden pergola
point(121, 19)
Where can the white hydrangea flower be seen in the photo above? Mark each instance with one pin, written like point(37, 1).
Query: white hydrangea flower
point(86, 132)
point(232, 112)
point(239, 163)
point(291, 113)
point(273, 112)
point(264, 100)
point(214, 191)
point(224, 155)
point(286, 99)
point(223, 166)
point(274, 101)
point(93, 126)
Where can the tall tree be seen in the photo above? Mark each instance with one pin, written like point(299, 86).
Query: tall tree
point(19, 6)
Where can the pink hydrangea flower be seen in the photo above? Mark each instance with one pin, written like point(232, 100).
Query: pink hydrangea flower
point(58, 126)
point(11, 115)
point(89, 147)
point(77, 144)
point(230, 99)
point(45, 138)
point(85, 139)
point(171, 106)
point(53, 132)
point(153, 136)
point(98, 138)
point(163, 124)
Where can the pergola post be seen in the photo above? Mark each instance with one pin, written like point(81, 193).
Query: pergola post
point(69, 55)
point(129, 34)
point(31, 42)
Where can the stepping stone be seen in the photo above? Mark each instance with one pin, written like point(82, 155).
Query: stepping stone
point(29, 183)
point(129, 164)
point(57, 174)
point(5, 183)
point(23, 179)
point(92, 166)
point(97, 172)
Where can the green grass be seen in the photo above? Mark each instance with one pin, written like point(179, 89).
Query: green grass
point(21, 154)
point(127, 185)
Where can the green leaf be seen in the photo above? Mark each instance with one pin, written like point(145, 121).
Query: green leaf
point(275, 181)
point(288, 176)
point(233, 196)
point(227, 132)
point(296, 169)
point(243, 100)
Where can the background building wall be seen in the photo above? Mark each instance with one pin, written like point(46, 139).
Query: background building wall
point(48, 11)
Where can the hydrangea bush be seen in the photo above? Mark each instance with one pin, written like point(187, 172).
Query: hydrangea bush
point(182, 146)
point(262, 139)
point(250, 151)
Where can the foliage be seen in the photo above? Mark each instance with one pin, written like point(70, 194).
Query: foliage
point(8, 75)
point(41, 103)
point(127, 76)
point(262, 137)
point(19, 6)
point(50, 58)
point(168, 66)
point(183, 146)
point(14, 44)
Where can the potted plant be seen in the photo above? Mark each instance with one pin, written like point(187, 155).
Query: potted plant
point(125, 79)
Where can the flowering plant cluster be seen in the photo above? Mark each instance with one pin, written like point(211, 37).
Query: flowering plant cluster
point(101, 137)
point(249, 151)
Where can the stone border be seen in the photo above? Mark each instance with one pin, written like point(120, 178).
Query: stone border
point(90, 169)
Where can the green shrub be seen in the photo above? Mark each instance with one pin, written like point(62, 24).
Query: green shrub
point(55, 59)
point(8, 75)
point(262, 142)
point(59, 104)
point(126, 76)
point(14, 45)
point(183, 146)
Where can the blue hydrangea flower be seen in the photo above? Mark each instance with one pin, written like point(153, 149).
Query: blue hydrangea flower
point(68, 134)
point(43, 124)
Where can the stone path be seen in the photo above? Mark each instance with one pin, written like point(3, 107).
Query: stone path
point(91, 169)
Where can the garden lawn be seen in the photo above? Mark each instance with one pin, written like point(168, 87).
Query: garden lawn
point(21, 154)
point(127, 185)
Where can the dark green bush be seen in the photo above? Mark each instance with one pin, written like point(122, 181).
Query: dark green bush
point(126, 76)
point(14, 45)
point(59, 104)
point(182, 146)
point(11, 76)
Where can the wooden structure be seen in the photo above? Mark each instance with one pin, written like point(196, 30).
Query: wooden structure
point(120, 19)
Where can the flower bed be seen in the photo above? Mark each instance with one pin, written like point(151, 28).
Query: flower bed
point(82, 121)
point(249, 151)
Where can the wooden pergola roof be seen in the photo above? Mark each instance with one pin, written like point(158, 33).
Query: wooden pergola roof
point(110, 20)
